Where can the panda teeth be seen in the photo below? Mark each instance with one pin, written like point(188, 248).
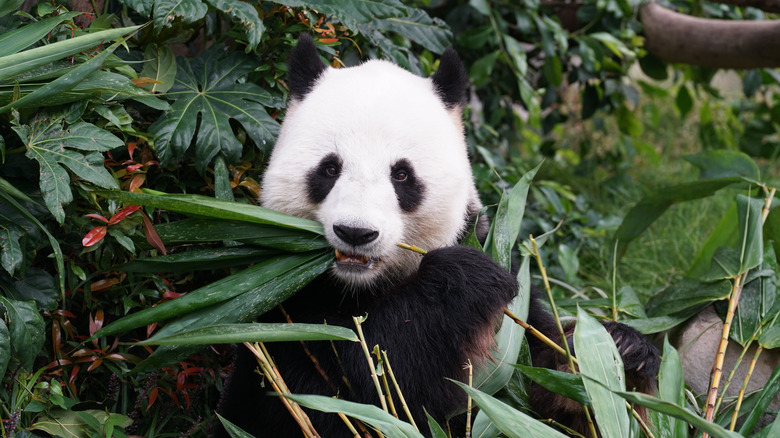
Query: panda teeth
point(351, 258)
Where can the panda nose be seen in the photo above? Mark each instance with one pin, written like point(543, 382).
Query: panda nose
point(355, 236)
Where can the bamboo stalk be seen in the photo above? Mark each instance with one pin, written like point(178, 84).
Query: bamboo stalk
point(404, 406)
point(388, 394)
point(468, 400)
point(370, 361)
point(744, 387)
point(351, 428)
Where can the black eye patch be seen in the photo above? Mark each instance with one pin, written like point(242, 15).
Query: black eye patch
point(321, 179)
point(408, 188)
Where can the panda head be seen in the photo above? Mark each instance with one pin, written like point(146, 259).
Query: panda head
point(378, 156)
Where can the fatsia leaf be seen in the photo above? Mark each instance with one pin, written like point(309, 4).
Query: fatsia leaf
point(433, 34)
point(208, 89)
point(160, 65)
point(77, 148)
point(352, 12)
point(166, 11)
point(245, 15)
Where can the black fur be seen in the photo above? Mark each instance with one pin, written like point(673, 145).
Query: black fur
point(305, 67)
point(451, 79)
point(408, 188)
point(321, 179)
point(426, 323)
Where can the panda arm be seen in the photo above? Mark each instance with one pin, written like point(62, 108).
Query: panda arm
point(431, 325)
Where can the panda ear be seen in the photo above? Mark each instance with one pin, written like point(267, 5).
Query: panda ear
point(451, 79)
point(304, 67)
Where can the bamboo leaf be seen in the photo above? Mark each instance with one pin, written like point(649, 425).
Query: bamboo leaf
point(390, 426)
point(193, 260)
point(599, 360)
point(246, 307)
point(560, 382)
point(19, 39)
point(254, 332)
point(511, 422)
point(651, 207)
point(685, 295)
point(670, 389)
point(213, 293)
point(750, 232)
point(216, 208)
point(233, 430)
point(12, 65)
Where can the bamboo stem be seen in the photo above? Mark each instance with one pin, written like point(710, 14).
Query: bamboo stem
point(468, 400)
point(388, 394)
point(370, 361)
point(404, 406)
point(744, 387)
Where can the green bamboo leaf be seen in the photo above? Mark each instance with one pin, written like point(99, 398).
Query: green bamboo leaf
point(599, 360)
point(770, 338)
point(433, 34)
point(725, 234)
point(436, 430)
point(750, 232)
point(233, 430)
point(19, 39)
point(246, 307)
point(5, 347)
point(686, 294)
point(53, 148)
point(651, 207)
point(670, 389)
point(9, 6)
point(12, 65)
point(208, 93)
point(214, 230)
point(25, 327)
point(214, 293)
point(509, 217)
point(758, 297)
point(198, 259)
point(216, 208)
point(715, 430)
point(719, 163)
point(222, 188)
point(659, 324)
point(566, 384)
point(497, 372)
point(166, 11)
point(254, 332)
point(511, 422)
point(390, 426)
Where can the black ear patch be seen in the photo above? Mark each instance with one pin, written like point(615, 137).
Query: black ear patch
point(451, 79)
point(304, 67)
point(408, 188)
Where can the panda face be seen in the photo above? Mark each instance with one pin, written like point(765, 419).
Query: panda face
point(374, 154)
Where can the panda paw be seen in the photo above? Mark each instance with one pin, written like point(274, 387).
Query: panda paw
point(467, 274)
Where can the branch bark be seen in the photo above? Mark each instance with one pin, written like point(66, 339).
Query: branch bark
point(737, 44)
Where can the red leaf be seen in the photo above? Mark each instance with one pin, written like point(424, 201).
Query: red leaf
point(152, 237)
point(131, 145)
point(95, 364)
point(152, 397)
point(134, 167)
point(94, 236)
point(150, 329)
point(136, 182)
point(169, 295)
point(103, 284)
point(97, 216)
point(329, 40)
point(96, 323)
point(123, 213)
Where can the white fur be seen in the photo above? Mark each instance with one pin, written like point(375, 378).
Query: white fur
point(372, 116)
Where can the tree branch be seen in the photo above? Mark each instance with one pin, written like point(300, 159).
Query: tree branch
point(738, 44)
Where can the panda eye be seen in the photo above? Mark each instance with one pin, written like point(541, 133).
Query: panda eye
point(331, 170)
point(400, 175)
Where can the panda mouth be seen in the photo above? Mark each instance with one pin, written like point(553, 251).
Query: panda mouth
point(353, 260)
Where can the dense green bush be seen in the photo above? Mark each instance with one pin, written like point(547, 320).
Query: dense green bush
point(187, 97)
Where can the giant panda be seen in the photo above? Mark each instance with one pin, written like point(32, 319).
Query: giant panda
point(378, 156)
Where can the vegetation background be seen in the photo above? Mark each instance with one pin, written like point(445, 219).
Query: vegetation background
point(102, 100)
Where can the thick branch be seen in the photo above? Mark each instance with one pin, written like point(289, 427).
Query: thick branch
point(764, 5)
point(737, 44)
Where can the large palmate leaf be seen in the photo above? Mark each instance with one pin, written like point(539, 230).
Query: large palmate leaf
point(431, 33)
point(78, 148)
point(165, 11)
point(351, 12)
point(208, 94)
